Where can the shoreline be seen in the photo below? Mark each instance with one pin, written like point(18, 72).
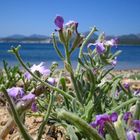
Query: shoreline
point(38, 42)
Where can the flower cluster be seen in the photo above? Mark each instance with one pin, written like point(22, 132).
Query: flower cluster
point(37, 68)
point(18, 95)
point(66, 32)
point(101, 120)
point(102, 46)
point(133, 126)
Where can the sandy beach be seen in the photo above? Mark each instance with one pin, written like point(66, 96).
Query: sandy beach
point(129, 76)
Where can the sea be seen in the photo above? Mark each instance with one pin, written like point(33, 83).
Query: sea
point(36, 53)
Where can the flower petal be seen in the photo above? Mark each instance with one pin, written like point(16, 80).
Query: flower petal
point(59, 21)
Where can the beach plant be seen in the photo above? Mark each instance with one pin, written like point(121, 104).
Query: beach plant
point(89, 101)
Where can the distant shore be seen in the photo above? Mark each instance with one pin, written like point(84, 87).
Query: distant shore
point(50, 42)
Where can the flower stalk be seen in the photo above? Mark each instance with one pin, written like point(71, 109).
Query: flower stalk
point(48, 112)
point(111, 130)
point(93, 30)
point(130, 101)
point(72, 74)
point(46, 117)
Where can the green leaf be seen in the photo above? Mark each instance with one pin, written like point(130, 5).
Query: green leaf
point(63, 83)
point(81, 63)
point(116, 54)
point(120, 128)
point(56, 48)
point(80, 124)
point(115, 84)
point(111, 130)
point(108, 137)
point(137, 110)
point(71, 132)
point(137, 136)
point(88, 111)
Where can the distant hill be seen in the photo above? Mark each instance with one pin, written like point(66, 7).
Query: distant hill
point(122, 39)
point(129, 39)
point(16, 36)
point(36, 38)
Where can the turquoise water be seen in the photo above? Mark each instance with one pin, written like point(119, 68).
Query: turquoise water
point(36, 53)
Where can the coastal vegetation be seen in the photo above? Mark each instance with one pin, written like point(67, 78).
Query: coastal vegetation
point(87, 103)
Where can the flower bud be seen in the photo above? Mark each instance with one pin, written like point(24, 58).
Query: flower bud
point(61, 36)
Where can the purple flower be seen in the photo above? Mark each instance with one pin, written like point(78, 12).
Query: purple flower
point(40, 68)
point(27, 75)
point(51, 80)
point(102, 119)
point(114, 117)
point(126, 85)
point(130, 135)
point(16, 92)
point(93, 124)
point(127, 116)
point(136, 125)
point(19, 96)
point(29, 96)
point(137, 92)
point(112, 42)
point(99, 47)
point(34, 107)
point(59, 21)
point(114, 62)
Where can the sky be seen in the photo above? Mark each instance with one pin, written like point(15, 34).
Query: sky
point(114, 17)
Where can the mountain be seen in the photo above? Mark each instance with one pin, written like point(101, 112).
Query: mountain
point(129, 39)
point(122, 39)
point(36, 38)
point(16, 36)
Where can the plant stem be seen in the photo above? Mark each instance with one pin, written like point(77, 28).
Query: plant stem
point(83, 44)
point(137, 110)
point(56, 48)
point(111, 130)
point(46, 117)
point(48, 111)
point(130, 101)
point(72, 75)
point(16, 117)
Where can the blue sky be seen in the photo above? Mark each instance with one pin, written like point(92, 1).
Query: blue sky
point(27, 17)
